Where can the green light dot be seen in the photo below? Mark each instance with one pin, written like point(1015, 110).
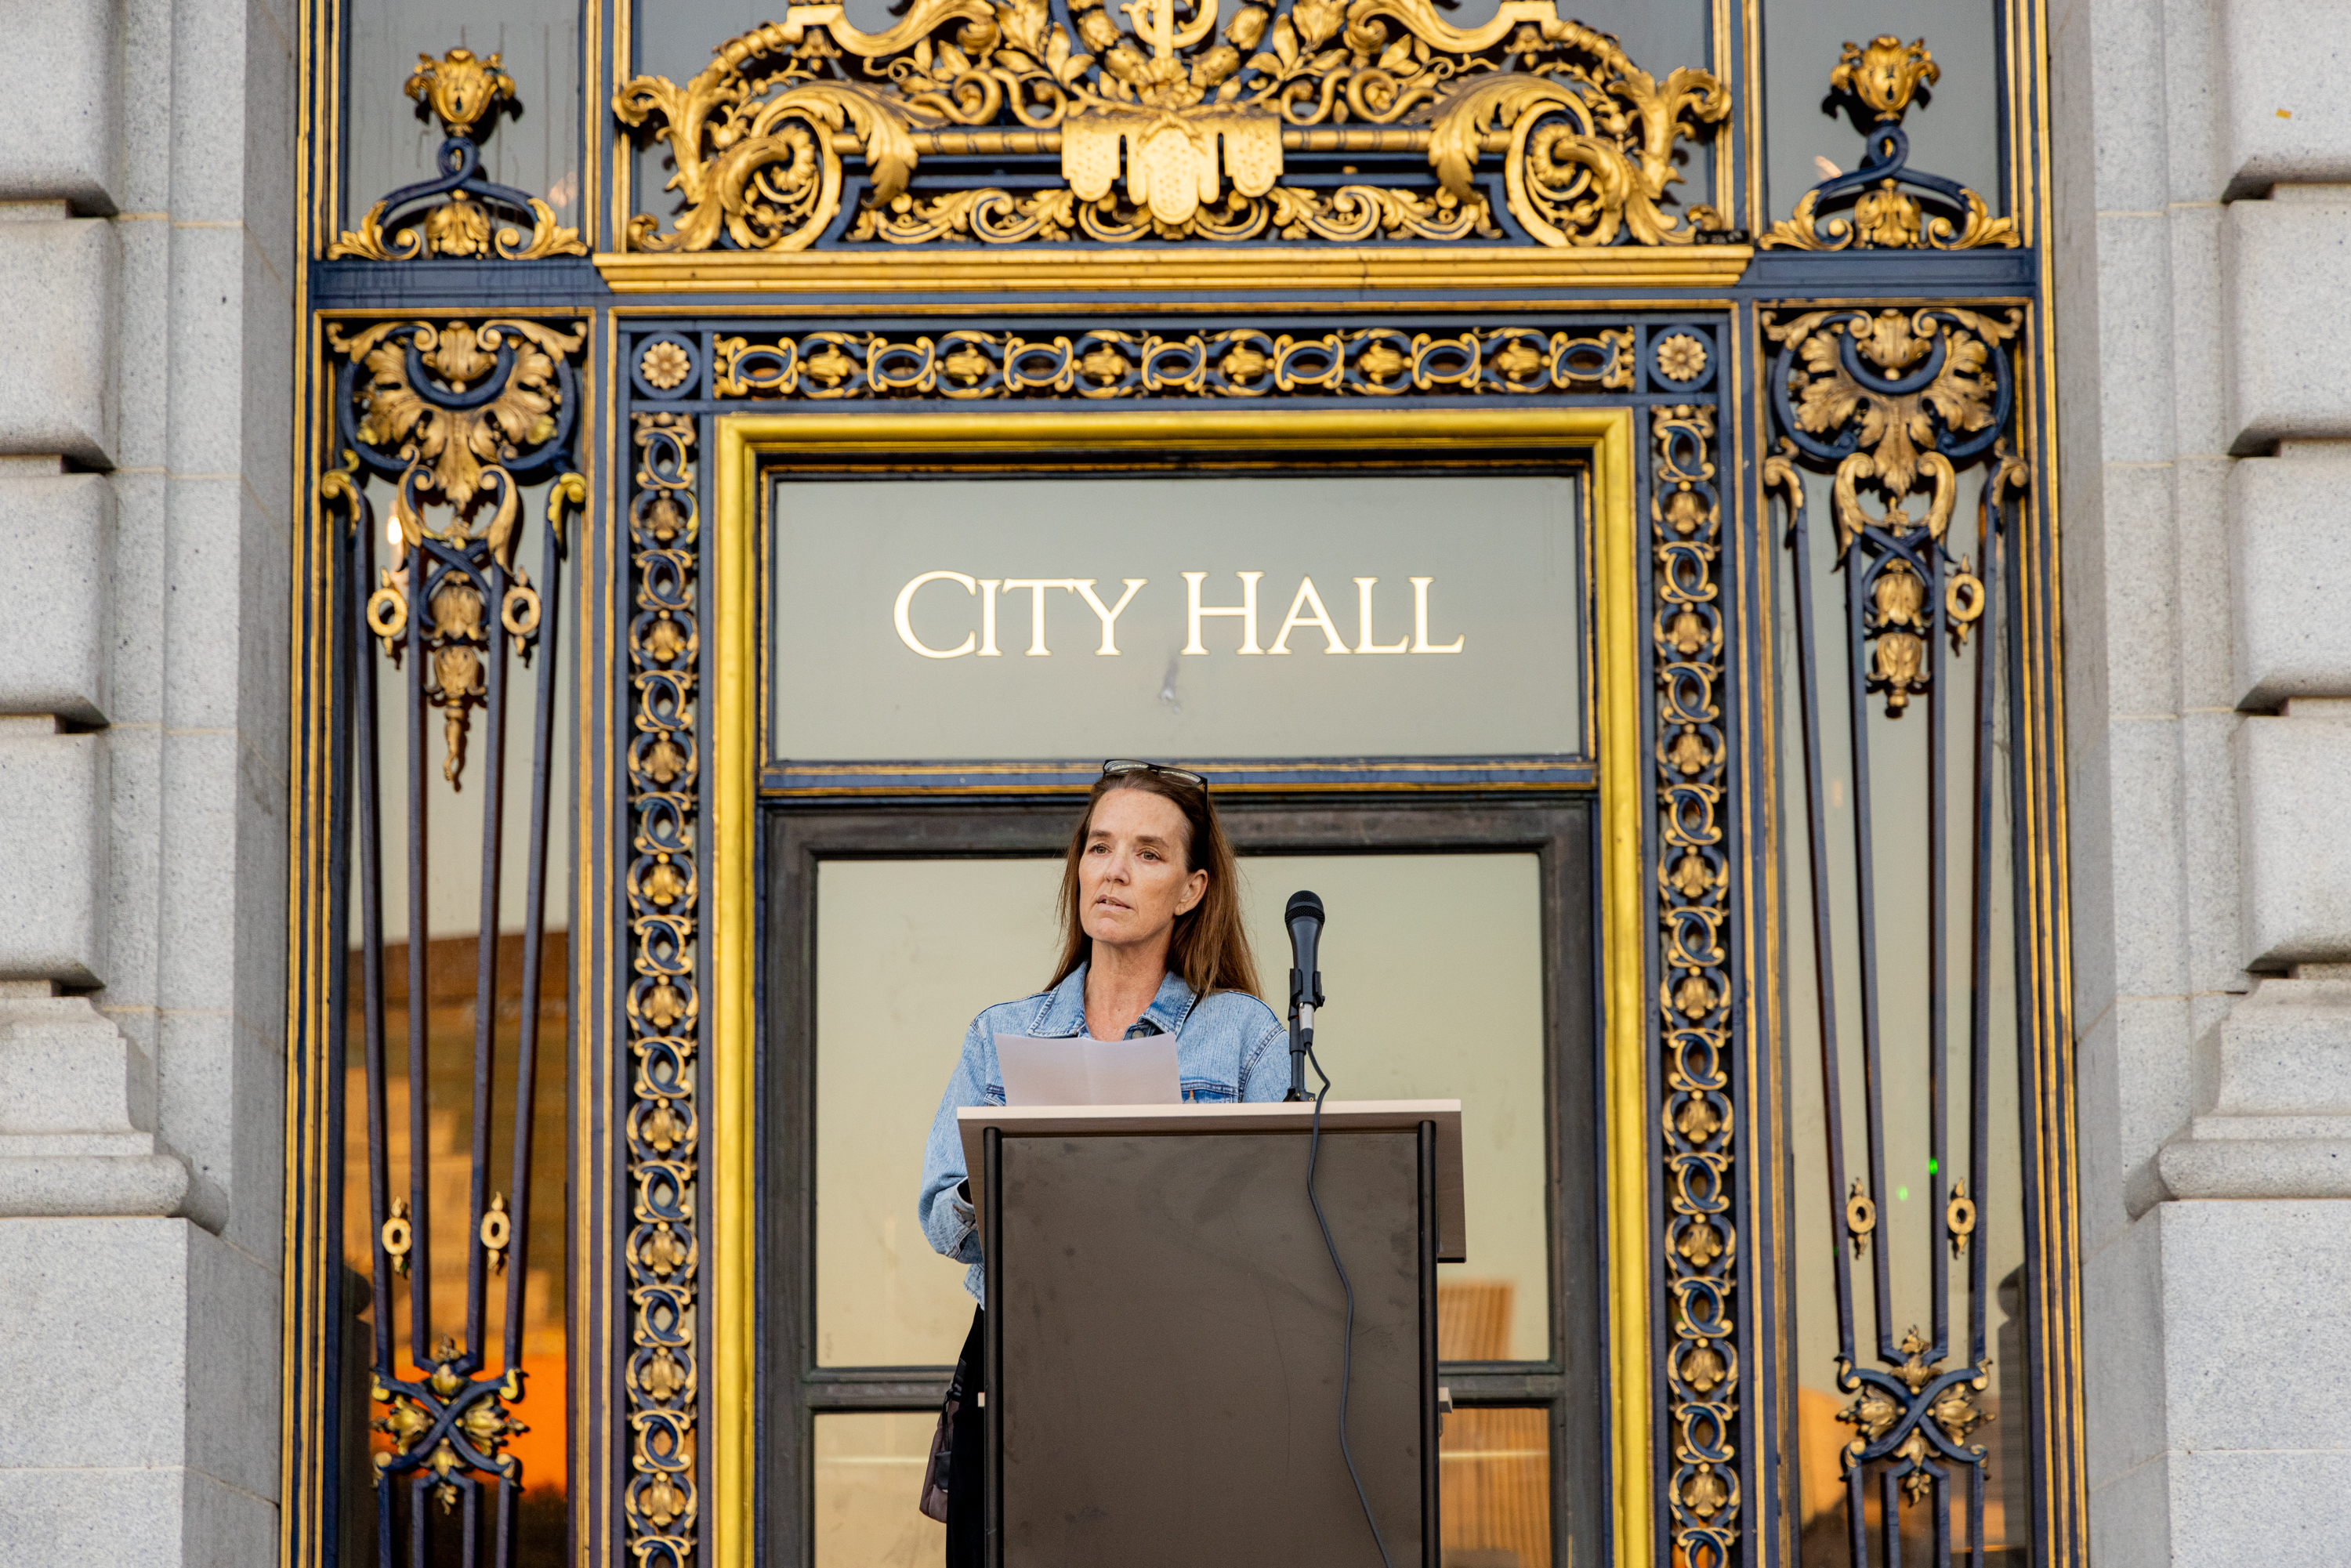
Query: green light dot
point(1931, 1166)
point(1902, 1195)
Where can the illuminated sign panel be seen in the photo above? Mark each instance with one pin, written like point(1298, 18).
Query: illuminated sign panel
point(1299, 616)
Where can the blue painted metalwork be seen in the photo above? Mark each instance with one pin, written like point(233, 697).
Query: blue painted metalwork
point(452, 608)
point(1723, 1439)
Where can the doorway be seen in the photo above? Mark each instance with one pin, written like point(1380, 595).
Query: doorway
point(1460, 962)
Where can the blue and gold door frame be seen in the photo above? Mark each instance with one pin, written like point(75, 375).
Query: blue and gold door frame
point(533, 1138)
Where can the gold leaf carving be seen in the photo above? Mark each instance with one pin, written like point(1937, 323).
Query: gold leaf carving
point(462, 89)
point(1163, 130)
point(1886, 74)
point(1885, 396)
point(1236, 362)
point(456, 451)
point(464, 92)
point(1884, 78)
point(1895, 431)
point(449, 409)
point(1877, 1411)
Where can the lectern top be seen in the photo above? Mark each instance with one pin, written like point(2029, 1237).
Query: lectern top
point(1338, 1116)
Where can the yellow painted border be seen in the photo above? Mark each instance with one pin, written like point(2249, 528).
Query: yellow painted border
point(1604, 438)
point(1117, 269)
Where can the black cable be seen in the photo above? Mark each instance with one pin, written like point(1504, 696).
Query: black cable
point(1346, 1345)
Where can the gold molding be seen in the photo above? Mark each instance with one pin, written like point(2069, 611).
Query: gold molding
point(1119, 269)
point(464, 91)
point(1588, 140)
point(1883, 77)
point(1604, 437)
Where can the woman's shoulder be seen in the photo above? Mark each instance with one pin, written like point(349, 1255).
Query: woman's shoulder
point(1013, 1017)
point(1239, 1009)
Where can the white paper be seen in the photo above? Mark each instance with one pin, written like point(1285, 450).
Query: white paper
point(1084, 1072)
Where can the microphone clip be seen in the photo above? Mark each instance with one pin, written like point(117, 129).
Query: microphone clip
point(1304, 919)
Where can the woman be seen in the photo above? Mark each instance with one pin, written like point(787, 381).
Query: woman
point(1152, 943)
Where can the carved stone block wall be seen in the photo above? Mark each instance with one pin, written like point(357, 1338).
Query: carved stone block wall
point(2285, 266)
point(53, 797)
point(73, 48)
point(2202, 252)
point(146, 485)
point(61, 277)
point(2297, 860)
point(2280, 120)
point(56, 532)
point(2289, 526)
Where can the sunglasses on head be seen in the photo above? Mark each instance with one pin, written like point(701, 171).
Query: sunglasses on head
point(1122, 765)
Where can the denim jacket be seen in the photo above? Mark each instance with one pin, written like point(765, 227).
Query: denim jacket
point(1229, 1047)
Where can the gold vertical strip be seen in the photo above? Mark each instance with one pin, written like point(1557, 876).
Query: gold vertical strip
point(623, 148)
point(600, 1045)
point(2062, 1460)
point(307, 834)
point(1750, 97)
point(302, 1298)
point(1624, 1049)
point(1760, 822)
point(593, 100)
point(1726, 154)
point(733, 783)
point(1606, 435)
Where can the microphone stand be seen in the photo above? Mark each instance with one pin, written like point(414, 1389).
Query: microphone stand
point(1304, 919)
point(1305, 996)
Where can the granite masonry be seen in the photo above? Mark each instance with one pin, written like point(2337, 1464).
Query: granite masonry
point(147, 493)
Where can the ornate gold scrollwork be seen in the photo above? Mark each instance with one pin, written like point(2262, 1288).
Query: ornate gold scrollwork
point(1887, 75)
point(1883, 394)
point(420, 404)
point(661, 1497)
point(1237, 362)
point(1895, 429)
point(465, 92)
point(1878, 1409)
point(1959, 1217)
point(1695, 999)
point(399, 1235)
point(1860, 1218)
point(472, 1418)
point(1179, 138)
point(1898, 622)
point(1883, 77)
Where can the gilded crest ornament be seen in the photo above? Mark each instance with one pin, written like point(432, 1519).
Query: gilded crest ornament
point(1191, 120)
point(479, 219)
point(1696, 999)
point(1916, 1419)
point(1236, 362)
point(1885, 205)
point(463, 90)
point(459, 417)
point(1886, 74)
point(1893, 403)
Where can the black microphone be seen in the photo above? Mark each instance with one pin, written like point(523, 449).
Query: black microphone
point(1304, 918)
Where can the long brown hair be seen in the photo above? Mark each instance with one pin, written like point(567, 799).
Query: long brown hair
point(1210, 949)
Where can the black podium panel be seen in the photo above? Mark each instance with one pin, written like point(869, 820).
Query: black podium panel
point(1169, 1350)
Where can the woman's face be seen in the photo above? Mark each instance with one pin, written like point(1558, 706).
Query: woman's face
point(1132, 880)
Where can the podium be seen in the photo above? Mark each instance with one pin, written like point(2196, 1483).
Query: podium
point(1164, 1329)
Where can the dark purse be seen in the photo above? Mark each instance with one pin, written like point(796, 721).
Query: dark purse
point(937, 1467)
point(934, 1469)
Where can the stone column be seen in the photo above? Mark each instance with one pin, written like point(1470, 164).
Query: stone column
point(2204, 265)
point(146, 331)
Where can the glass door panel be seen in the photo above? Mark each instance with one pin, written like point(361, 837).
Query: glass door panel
point(1433, 966)
point(908, 951)
point(869, 1472)
point(1432, 972)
